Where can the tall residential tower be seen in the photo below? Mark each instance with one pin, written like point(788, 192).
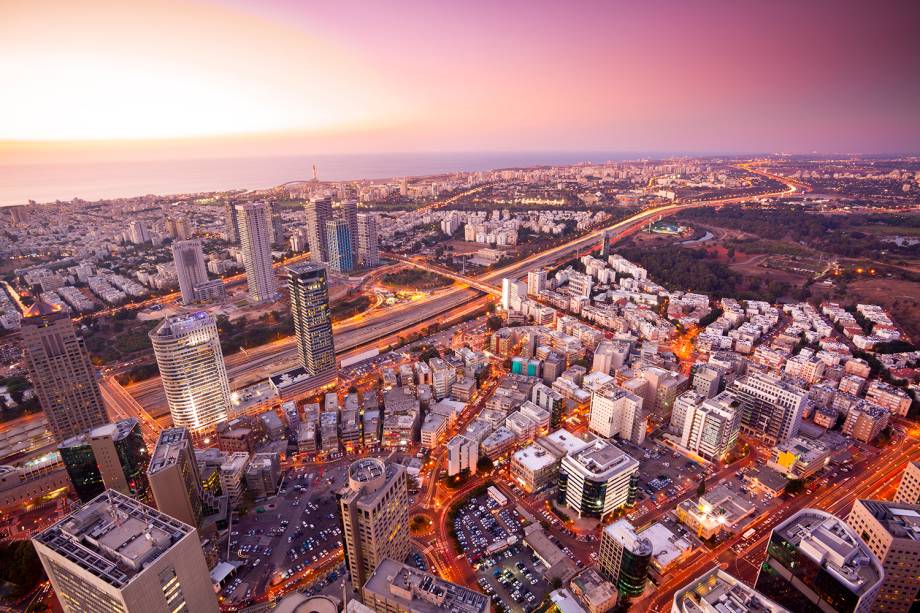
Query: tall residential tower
point(255, 242)
point(312, 320)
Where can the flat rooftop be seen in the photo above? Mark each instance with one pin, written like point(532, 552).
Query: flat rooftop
point(423, 592)
point(829, 541)
point(169, 445)
point(901, 520)
point(535, 458)
point(719, 592)
point(113, 537)
point(602, 459)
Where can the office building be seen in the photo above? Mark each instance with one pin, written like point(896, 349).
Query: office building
point(909, 488)
point(624, 558)
point(339, 245)
point(174, 478)
point(232, 475)
point(349, 209)
point(263, 474)
point(598, 480)
point(138, 233)
point(610, 356)
point(711, 428)
point(462, 454)
point(112, 456)
point(394, 587)
point(771, 409)
point(192, 370)
point(312, 320)
point(368, 255)
point(816, 562)
point(891, 531)
point(60, 371)
point(117, 554)
point(375, 517)
point(716, 591)
point(190, 268)
point(616, 412)
point(255, 244)
point(319, 211)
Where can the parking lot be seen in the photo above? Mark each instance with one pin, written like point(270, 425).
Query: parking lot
point(279, 540)
point(491, 535)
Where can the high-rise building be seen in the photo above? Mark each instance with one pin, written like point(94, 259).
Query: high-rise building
point(891, 530)
point(319, 211)
point(255, 243)
point(707, 380)
point(711, 428)
point(174, 478)
point(624, 558)
point(771, 409)
point(909, 488)
point(350, 216)
point(312, 319)
point(338, 242)
point(513, 292)
point(617, 412)
point(536, 282)
point(231, 223)
point(112, 456)
point(375, 517)
point(816, 562)
point(716, 591)
point(367, 240)
point(138, 233)
point(190, 268)
point(192, 370)
point(117, 554)
point(598, 480)
point(61, 372)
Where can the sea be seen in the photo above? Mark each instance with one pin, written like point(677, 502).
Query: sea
point(48, 182)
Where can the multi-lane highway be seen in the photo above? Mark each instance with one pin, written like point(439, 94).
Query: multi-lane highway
point(382, 326)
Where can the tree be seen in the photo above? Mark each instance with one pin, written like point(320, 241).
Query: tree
point(701, 488)
point(794, 487)
point(493, 323)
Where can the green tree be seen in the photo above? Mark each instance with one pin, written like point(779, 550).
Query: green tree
point(701, 488)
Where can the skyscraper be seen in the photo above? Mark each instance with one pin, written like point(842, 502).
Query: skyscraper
point(61, 372)
point(338, 242)
point(118, 554)
point(367, 240)
point(255, 242)
point(112, 456)
point(231, 223)
point(174, 479)
point(375, 516)
point(891, 530)
point(190, 268)
point(319, 211)
point(312, 319)
point(909, 487)
point(192, 370)
point(350, 215)
point(815, 562)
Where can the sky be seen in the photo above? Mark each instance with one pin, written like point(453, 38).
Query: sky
point(156, 78)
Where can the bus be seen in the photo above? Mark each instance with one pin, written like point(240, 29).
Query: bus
point(748, 534)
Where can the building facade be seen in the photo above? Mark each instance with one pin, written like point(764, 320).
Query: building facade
point(256, 247)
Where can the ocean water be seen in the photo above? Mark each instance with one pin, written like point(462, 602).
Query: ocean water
point(48, 182)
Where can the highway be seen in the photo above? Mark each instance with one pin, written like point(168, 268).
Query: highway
point(382, 326)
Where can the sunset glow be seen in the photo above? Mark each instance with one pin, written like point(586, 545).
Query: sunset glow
point(365, 77)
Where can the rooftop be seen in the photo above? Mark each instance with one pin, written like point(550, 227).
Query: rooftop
point(602, 459)
point(114, 537)
point(423, 592)
point(902, 521)
point(170, 444)
point(179, 325)
point(534, 457)
point(719, 592)
point(625, 534)
point(828, 541)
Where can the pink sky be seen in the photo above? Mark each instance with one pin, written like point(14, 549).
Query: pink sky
point(228, 78)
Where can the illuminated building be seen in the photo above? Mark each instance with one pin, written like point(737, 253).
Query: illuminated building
point(624, 557)
point(174, 478)
point(716, 591)
point(374, 507)
point(368, 255)
point(312, 321)
point(319, 211)
point(339, 241)
point(598, 480)
point(192, 370)
point(909, 488)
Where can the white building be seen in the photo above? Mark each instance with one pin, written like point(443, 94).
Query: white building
point(711, 428)
point(617, 412)
point(192, 370)
point(190, 268)
point(255, 243)
point(598, 480)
